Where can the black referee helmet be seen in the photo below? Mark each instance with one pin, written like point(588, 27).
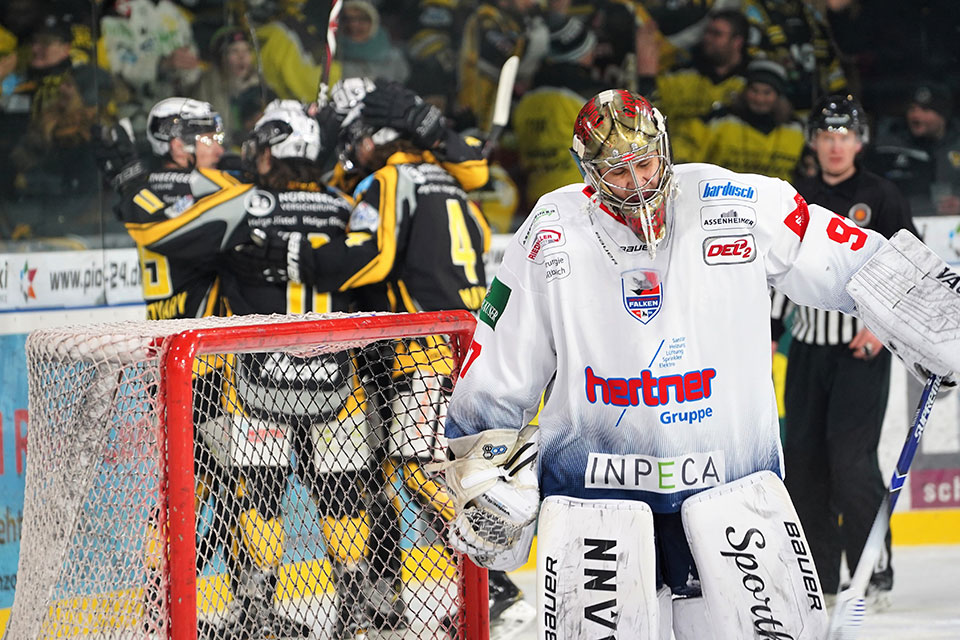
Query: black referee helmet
point(835, 113)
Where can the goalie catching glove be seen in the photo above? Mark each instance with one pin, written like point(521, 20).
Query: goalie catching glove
point(273, 256)
point(493, 481)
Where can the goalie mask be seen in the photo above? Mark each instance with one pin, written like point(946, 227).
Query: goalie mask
point(621, 146)
point(184, 118)
point(286, 130)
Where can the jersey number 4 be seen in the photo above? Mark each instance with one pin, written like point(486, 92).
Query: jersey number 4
point(462, 252)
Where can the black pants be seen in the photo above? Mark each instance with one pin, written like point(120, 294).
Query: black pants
point(834, 412)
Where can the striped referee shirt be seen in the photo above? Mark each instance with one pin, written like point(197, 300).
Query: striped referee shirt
point(815, 326)
point(871, 202)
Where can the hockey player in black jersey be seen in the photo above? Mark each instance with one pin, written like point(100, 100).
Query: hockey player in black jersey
point(181, 212)
point(414, 232)
point(175, 210)
point(317, 401)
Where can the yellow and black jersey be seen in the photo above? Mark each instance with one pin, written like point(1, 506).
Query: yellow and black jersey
point(414, 229)
point(693, 91)
point(542, 121)
point(796, 35)
point(461, 156)
point(180, 220)
point(315, 210)
point(687, 96)
point(753, 144)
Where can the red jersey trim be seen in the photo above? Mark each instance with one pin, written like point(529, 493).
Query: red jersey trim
point(590, 191)
point(798, 219)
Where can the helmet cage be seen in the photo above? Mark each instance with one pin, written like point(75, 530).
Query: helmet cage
point(620, 129)
point(642, 208)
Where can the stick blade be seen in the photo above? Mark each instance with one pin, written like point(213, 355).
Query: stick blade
point(847, 616)
point(508, 75)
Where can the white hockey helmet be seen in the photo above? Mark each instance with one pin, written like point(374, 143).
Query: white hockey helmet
point(347, 97)
point(287, 130)
point(618, 128)
point(183, 118)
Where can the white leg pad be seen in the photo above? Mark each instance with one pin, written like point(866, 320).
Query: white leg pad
point(596, 570)
point(664, 599)
point(756, 571)
point(690, 620)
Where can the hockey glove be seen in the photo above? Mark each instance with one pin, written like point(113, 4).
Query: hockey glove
point(393, 105)
point(272, 256)
point(496, 496)
point(329, 121)
point(116, 156)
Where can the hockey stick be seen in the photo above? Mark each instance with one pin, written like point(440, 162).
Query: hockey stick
point(848, 614)
point(501, 108)
point(333, 21)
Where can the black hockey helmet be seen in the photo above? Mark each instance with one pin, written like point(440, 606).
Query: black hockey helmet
point(835, 113)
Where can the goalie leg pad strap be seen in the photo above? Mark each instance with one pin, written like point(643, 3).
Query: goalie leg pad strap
point(756, 571)
point(910, 299)
point(596, 570)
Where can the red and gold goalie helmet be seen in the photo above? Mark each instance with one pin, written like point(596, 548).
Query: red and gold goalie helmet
point(620, 141)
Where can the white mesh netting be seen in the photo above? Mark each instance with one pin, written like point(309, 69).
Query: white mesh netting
point(314, 517)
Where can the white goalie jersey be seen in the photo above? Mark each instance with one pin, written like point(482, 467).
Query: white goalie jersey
point(656, 371)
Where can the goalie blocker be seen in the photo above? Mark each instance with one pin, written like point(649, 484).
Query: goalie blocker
point(597, 563)
point(910, 299)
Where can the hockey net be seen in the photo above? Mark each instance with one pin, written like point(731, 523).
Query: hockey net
point(243, 478)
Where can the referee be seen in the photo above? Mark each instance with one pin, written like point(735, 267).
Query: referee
point(838, 373)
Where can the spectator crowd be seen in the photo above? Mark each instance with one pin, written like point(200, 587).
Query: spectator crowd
point(735, 78)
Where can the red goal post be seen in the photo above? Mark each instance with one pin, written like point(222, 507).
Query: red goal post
point(99, 393)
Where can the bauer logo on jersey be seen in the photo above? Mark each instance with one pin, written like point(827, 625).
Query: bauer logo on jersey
point(494, 303)
point(642, 293)
point(729, 249)
point(259, 202)
point(725, 216)
point(659, 475)
point(727, 190)
point(544, 238)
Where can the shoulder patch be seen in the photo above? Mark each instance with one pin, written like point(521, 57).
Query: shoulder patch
point(542, 215)
point(541, 239)
point(364, 217)
point(494, 303)
point(259, 202)
point(861, 214)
